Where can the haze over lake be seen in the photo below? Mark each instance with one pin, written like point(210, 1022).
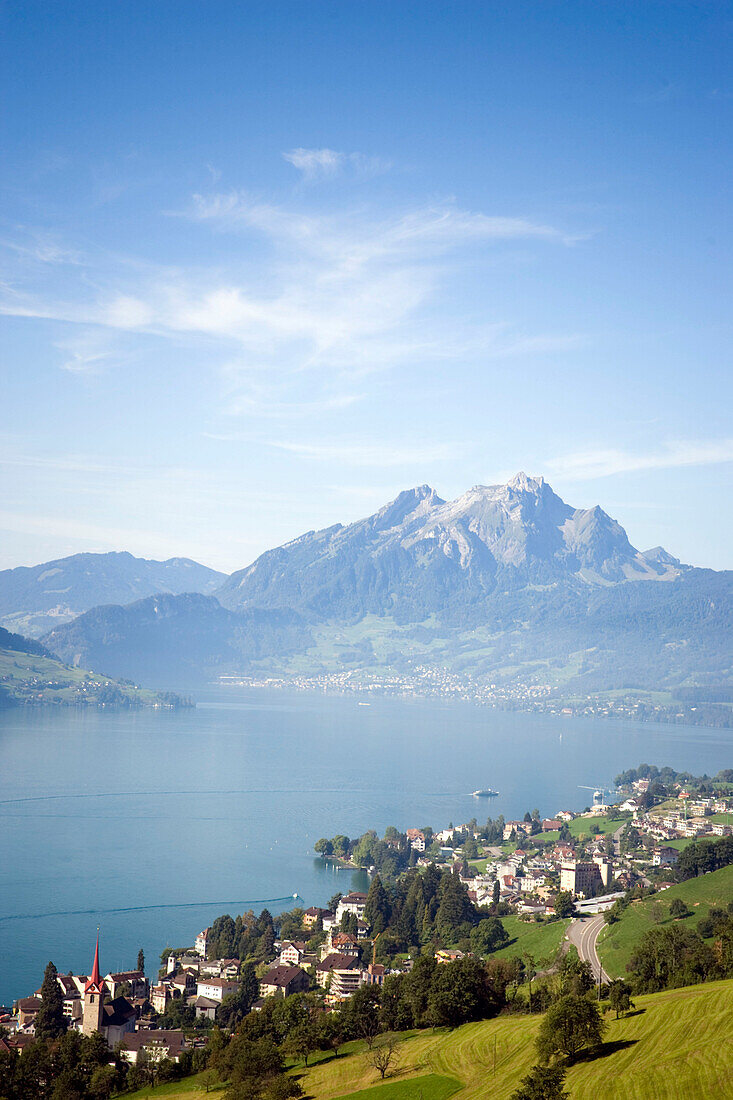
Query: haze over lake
point(150, 824)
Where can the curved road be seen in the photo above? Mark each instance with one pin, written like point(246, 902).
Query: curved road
point(583, 934)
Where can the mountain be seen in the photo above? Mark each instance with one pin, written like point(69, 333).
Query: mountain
point(507, 585)
point(419, 552)
point(34, 599)
point(30, 675)
point(181, 640)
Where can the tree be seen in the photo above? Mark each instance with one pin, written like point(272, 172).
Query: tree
point(460, 991)
point(542, 1083)
point(378, 910)
point(302, 1040)
point(141, 959)
point(495, 893)
point(383, 1055)
point(470, 848)
point(678, 909)
point(568, 1026)
point(455, 908)
point(564, 906)
point(324, 847)
point(488, 935)
point(576, 976)
point(364, 1013)
point(619, 994)
point(50, 1022)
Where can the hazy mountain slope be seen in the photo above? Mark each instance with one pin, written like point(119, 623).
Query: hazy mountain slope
point(419, 554)
point(33, 599)
point(179, 640)
point(32, 676)
point(507, 584)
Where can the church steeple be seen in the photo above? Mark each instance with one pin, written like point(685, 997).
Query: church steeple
point(94, 991)
point(94, 983)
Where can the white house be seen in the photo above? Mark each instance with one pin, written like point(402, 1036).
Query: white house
point(216, 989)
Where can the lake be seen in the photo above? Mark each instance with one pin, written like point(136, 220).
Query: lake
point(150, 824)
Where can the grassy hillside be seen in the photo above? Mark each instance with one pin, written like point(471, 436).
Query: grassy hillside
point(676, 1046)
point(33, 679)
point(542, 941)
point(617, 941)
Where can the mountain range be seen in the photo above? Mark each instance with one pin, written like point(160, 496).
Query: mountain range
point(507, 584)
point(34, 599)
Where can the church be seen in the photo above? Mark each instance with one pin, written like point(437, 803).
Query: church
point(112, 1018)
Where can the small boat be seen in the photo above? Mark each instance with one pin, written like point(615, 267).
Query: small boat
point(487, 792)
point(365, 704)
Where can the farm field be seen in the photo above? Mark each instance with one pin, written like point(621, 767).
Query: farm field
point(675, 1046)
point(616, 942)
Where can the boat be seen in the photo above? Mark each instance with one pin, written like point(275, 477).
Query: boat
point(487, 792)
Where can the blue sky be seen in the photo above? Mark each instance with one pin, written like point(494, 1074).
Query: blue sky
point(265, 265)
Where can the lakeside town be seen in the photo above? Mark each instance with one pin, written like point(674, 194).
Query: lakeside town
point(533, 872)
point(425, 681)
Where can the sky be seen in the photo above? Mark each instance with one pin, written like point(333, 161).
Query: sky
point(265, 265)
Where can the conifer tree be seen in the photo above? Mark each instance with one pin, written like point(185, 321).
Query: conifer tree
point(378, 909)
point(50, 1021)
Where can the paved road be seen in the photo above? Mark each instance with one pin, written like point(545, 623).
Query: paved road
point(583, 934)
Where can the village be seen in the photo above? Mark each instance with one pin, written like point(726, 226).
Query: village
point(537, 870)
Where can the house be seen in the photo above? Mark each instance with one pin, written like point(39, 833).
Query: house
point(216, 989)
point(27, 1010)
point(665, 857)
point(201, 943)
point(551, 824)
point(312, 916)
point(292, 952)
point(443, 956)
point(134, 979)
point(343, 971)
point(374, 974)
point(344, 942)
point(160, 995)
point(184, 983)
point(564, 815)
point(417, 839)
point(282, 981)
point(352, 903)
point(204, 1007)
point(157, 1045)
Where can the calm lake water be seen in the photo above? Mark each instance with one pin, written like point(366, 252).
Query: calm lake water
point(151, 824)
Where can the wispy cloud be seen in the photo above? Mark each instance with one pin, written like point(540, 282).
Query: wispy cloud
point(331, 296)
point(587, 465)
point(41, 247)
point(316, 164)
point(370, 454)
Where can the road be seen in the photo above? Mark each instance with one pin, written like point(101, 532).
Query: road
point(583, 934)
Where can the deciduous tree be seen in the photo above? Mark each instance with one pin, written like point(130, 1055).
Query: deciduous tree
point(568, 1026)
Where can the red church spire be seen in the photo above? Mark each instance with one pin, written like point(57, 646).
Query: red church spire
point(95, 979)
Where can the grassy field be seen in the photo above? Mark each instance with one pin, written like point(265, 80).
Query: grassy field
point(591, 826)
point(542, 941)
point(676, 1046)
point(616, 942)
